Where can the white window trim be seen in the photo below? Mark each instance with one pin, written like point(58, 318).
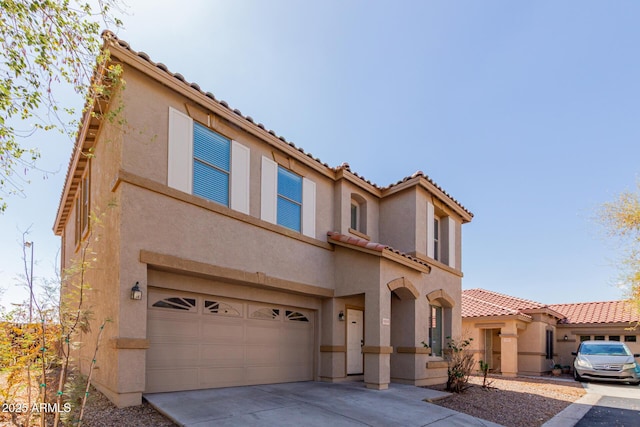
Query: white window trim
point(451, 242)
point(308, 208)
point(180, 162)
point(269, 191)
point(180, 155)
point(430, 230)
point(240, 177)
point(269, 198)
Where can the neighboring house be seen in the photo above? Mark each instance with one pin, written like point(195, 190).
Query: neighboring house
point(607, 320)
point(256, 262)
point(519, 336)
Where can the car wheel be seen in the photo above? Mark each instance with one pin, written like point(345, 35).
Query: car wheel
point(576, 375)
point(634, 382)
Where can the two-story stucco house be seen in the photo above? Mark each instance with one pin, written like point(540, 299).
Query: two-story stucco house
point(256, 263)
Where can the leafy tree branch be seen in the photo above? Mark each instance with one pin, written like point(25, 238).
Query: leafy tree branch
point(46, 47)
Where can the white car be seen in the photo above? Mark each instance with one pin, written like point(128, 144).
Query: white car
point(605, 361)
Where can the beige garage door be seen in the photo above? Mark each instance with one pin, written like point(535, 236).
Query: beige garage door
point(199, 341)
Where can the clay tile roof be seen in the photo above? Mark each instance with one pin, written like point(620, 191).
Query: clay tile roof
point(480, 302)
point(597, 312)
point(111, 37)
point(378, 247)
point(474, 307)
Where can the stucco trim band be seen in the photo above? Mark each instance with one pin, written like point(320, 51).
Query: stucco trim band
point(156, 187)
point(437, 364)
point(232, 275)
point(375, 349)
point(130, 343)
point(413, 350)
point(333, 349)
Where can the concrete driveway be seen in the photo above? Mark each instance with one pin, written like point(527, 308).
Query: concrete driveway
point(605, 404)
point(618, 405)
point(309, 404)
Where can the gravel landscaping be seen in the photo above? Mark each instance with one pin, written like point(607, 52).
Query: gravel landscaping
point(514, 402)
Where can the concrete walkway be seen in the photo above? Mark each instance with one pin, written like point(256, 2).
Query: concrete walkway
point(309, 404)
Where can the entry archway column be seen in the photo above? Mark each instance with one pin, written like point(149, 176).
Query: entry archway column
point(509, 350)
point(377, 342)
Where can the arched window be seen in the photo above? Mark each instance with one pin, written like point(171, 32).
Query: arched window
point(440, 320)
point(358, 213)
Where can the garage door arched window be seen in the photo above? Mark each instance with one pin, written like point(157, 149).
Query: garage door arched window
point(176, 303)
point(266, 313)
point(221, 308)
point(295, 316)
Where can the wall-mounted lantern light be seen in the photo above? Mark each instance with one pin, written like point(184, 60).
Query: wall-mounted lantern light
point(341, 316)
point(136, 293)
point(566, 338)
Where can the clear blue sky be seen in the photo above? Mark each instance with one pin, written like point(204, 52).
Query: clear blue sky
point(526, 112)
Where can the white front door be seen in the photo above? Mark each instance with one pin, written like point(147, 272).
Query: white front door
point(355, 341)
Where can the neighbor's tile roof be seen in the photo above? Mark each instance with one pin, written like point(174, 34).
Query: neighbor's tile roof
point(111, 37)
point(597, 312)
point(480, 302)
point(378, 247)
point(474, 307)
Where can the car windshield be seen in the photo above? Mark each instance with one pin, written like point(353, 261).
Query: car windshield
point(604, 350)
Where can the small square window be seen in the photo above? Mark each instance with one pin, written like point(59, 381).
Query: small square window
point(629, 338)
point(614, 337)
point(585, 338)
point(599, 338)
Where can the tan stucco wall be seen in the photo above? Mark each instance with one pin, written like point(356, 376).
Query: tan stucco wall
point(101, 278)
point(398, 220)
point(343, 192)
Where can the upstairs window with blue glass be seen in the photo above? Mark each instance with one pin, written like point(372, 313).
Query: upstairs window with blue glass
point(211, 164)
point(289, 199)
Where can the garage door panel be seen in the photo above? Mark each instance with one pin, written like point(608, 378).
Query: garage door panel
point(179, 328)
point(265, 374)
point(296, 373)
point(233, 355)
point(213, 332)
point(222, 342)
point(264, 332)
point(262, 355)
point(180, 379)
point(221, 377)
point(295, 336)
point(173, 355)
